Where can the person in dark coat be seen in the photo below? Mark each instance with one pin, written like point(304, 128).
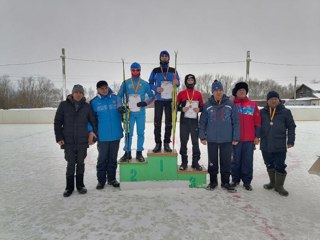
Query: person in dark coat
point(277, 135)
point(70, 128)
point(219, 129)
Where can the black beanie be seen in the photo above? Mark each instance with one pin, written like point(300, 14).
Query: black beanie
point(189, 76)
point(238, 86)
point(102, 83)
point(272, 94)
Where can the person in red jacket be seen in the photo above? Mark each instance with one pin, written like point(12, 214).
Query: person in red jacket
point(250, 124)
point(189, 103)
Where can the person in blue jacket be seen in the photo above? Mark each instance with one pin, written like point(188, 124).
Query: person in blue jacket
point(110, 131)
point(161, 80)
point(135, 89)
point(219, 129)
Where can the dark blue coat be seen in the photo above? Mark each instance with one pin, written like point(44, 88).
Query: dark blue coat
point(276, 137)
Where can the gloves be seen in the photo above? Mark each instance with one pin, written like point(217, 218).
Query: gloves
point(122, 109)
point(141, 104)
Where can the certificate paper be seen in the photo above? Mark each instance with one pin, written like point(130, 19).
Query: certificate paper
point(133, 100)
point(167, 90)
point(191, 113)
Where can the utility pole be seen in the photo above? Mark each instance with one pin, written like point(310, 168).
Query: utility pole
point(64, 79)
point(295, 88)
point(248, 66)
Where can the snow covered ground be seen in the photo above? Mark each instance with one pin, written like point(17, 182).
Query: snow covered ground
point(32, 176)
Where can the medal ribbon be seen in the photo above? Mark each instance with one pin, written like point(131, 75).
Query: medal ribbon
point(272, 113)
point(190, 99)
point(138, 85)
point(164, 76)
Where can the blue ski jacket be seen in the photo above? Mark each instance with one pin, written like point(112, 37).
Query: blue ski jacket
point(108, 117)
point(157, 76)
point(219, 123)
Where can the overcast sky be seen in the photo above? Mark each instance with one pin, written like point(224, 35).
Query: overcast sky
point(204, 32)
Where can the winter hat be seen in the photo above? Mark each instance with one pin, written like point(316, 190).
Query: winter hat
point(135, 65)
point(164, 52)
point(77, 88)
point(272, 94)
point(238, 86)
point(216, 85)
point(189, 76)
point(102, 83)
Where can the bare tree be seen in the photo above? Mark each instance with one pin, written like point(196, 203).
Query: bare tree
point(6, 92)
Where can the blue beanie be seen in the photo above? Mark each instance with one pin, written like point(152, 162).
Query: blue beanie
point(135, 65)
point(216, 85)
point(164, 52)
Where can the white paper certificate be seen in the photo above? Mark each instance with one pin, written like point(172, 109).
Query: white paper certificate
point(191, 113)
point(133, 100)
point(167, 90)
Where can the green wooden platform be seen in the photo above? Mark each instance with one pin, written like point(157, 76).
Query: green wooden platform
point(161, 166)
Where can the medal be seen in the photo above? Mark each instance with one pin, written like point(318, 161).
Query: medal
point(272, 113)
point(271, 123)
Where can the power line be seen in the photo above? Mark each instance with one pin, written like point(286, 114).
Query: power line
point(288, 64)
point(29, 63)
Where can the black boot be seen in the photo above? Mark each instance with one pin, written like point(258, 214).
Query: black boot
point(184, 162)
point(196, 166)
point(167, 147)
point(157, 148)
point(279, 181)
point(139, 156)
point(126, 157)
point(271, 184)
point(79, 183)
point(114, 183)
point(213, 182)
point(225, 183)
point(69, 186)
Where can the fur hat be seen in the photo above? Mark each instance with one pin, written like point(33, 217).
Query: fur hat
point(102, 83)
point(272, 94)
point(238, 86)
point(77, 88)
point(216, 85)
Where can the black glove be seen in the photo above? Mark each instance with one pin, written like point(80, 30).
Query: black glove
point(122, 109)
point(141, 104)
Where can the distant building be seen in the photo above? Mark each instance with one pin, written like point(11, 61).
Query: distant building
point(306, 95)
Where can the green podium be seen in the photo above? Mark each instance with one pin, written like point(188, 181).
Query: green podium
point(161, 166)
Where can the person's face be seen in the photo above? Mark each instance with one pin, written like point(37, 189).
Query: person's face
point(217, 94)
point(104, 90)
point(273, 102)
point(241, 93)
point(77, 96)
point(164, 58)
point(135, 72)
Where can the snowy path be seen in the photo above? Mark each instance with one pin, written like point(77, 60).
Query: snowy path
point(32, 176)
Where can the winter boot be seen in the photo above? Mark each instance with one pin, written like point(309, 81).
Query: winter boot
point(213, 182)
point(196, 166)
point(69, 186)
point(80, 186)
point(157, 148)
point(247, 187)
point(270, 185)
point(225, 183)
point(139, 156)
point(126, 157)
point(279, 181)
point(114, 183)
point(167, 147)
point(100, 185)
point(184, 162)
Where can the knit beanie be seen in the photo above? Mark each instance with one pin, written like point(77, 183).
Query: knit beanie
point(238, 86)
point(216, 85)
point(272, 94)
point(77, 88)
point(135, 65)
point(102, 83)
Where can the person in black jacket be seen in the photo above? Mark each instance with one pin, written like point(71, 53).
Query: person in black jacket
point(277, 134)
point(70, 128)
